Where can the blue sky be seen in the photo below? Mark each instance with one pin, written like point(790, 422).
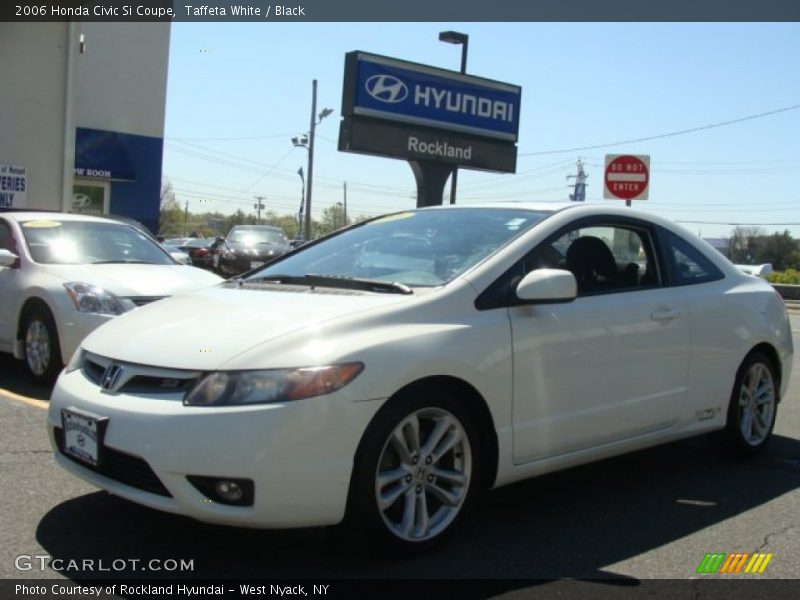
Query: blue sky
point(238, 92)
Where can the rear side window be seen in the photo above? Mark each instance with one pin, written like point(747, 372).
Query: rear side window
point(689, 265)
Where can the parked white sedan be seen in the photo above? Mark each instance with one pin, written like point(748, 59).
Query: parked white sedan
point(390, 371)
point(63, 275)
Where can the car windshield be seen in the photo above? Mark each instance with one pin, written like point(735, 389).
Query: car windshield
point(418, 249)
point(251, 237)
point(198, 243)
point(89, 242)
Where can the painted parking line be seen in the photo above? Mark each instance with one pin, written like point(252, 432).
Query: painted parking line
point(24, 399)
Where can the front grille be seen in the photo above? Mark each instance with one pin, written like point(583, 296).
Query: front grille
point(93, 370)
point(140, 379)
point(120, 466)
point(142, 300)
point(144, 384)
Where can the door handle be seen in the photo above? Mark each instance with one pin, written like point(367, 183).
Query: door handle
point(666, 314)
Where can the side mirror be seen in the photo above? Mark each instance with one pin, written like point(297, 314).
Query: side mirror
point(547, 286)
point(7, 258)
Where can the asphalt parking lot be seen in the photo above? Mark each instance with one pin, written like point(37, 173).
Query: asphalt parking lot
point(649, 515)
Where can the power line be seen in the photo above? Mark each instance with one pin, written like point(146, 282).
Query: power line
point(229, 139)
point(670, 134)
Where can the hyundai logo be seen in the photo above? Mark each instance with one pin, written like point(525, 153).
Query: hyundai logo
point(111, 377)
point(386, 88)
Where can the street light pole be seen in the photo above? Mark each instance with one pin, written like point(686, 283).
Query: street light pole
point(308, 144)
point(454, 37)
point(311, 158)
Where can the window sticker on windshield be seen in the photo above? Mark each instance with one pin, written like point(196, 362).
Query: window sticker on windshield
point(41, 224)
point(396, 217)
point(515, 224)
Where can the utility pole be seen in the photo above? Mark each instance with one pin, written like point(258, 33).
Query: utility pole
point(186, 220)
point(259, 206)
point(345, 204)
point(580, 184)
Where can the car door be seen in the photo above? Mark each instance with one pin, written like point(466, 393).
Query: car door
point(612, 364)
point(9, 278)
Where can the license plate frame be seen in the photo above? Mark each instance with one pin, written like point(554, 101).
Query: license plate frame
point(84, 433)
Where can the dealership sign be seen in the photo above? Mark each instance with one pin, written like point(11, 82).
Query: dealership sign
point(410, 93)
point(13, 185)
point(422, 113)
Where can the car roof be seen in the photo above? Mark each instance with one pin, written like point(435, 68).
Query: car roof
point(24, 215)
point(256, 227)
point(610, 207)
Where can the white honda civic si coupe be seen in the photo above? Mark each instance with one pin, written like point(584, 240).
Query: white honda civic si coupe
point(389, 372)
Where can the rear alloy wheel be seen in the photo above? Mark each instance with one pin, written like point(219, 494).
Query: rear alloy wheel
point(42, 354)
point(753, 406)
point(417, 471)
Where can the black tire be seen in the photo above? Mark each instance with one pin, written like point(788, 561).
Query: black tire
point(40, 344)
point(753, 407)
point(429, 479)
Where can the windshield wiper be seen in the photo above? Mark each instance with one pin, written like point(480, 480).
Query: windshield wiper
point(339, 281)
point(122, 262)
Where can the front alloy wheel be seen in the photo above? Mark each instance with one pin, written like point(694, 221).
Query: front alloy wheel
point(423, 475)
point(41, 346)
point(415, 472)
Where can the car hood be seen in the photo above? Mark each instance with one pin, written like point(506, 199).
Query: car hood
point(136, 280)
point(206, 329)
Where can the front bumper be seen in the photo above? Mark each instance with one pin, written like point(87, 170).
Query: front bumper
point(299, 454)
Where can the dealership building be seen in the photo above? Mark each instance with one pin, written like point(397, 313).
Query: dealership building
point(82, 117)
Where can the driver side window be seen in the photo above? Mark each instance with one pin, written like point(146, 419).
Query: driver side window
point(603, 258)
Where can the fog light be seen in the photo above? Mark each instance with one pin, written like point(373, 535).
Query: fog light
point(224, 490)
point(229, 490)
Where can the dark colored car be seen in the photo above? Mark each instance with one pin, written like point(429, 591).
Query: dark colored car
point(200, 251)
point(248, 247)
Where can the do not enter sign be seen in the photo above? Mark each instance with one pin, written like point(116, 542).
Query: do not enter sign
point(627, 177)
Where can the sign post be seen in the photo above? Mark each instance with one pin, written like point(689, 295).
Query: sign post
point(627, 177)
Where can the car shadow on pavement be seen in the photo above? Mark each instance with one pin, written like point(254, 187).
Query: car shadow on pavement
point(15, 379)
point(571, 524)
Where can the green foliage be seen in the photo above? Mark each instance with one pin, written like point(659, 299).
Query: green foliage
point(780, 249)
point(789, 276)
point(332, 219)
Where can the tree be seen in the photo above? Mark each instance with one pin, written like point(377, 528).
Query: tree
point(170, 221)
point(288, 223)
point(332, 219)
point(780, 249)
point(743, 244)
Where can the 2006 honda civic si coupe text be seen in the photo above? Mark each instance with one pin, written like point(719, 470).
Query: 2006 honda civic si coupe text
point(387, 373)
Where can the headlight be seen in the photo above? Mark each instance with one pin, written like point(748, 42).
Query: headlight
point(92, 299)
point(234, 388)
